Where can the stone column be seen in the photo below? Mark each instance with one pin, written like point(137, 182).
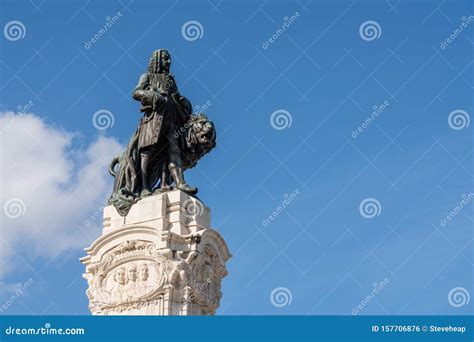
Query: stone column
point(161, 259)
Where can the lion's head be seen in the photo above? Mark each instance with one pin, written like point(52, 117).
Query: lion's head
point(200, 138)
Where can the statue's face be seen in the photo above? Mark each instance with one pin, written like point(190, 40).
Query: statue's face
point(132, 273)
point(165, 60)
point(120, 276)
point(144, 272)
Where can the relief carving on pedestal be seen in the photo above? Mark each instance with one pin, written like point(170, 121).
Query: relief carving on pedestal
point(135, 274)
point(132, 272)
point(129, 282)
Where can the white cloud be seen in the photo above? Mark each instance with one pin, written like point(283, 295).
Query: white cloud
point(54, 181)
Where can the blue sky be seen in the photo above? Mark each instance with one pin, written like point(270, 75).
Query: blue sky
point(324, 75)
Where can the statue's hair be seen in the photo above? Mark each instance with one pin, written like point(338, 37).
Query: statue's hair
point(155, 66)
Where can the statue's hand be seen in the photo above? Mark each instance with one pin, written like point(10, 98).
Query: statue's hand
point(159, 99)
point(147, 98)
point(152, 97)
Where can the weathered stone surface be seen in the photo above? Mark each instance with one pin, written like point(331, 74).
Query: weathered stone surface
point(161, 259)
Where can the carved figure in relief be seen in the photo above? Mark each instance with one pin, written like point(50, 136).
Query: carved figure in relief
point(131, 287)
point(142, 283)
point(179, 274)
point(118, 292)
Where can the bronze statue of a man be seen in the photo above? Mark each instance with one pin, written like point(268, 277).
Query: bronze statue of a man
point(165, 111)
point(169, 139)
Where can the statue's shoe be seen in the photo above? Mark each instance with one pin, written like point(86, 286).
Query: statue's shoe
point(164, 188)
point(187, 188)
point(145, 192)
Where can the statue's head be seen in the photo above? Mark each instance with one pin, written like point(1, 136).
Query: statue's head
point(144, 272)
point(132, 273)
point(160, 61)
point(119, 275)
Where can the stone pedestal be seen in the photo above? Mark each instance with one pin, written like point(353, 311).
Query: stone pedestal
point(161, 259)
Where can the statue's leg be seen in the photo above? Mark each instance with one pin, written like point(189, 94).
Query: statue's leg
point(176, 167)
point(145, 156)
point(164, 186)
